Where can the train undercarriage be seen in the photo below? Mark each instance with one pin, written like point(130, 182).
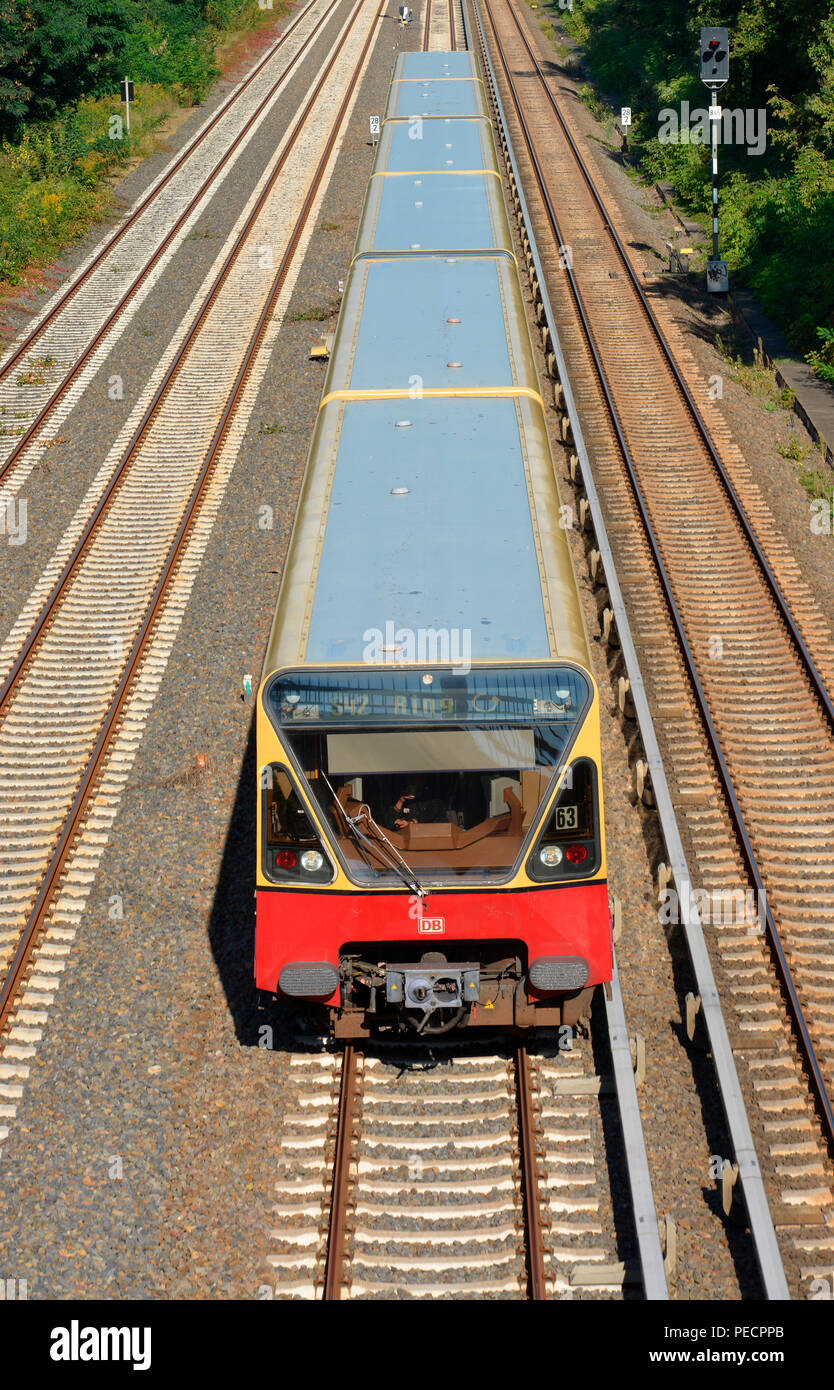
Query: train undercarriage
point(395, 988)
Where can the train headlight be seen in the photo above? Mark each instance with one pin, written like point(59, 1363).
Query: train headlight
point(550, 856)
point(576, 854)
point(312, 861)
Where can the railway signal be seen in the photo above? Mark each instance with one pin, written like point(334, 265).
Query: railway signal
point(715, 57)
point(715, 71)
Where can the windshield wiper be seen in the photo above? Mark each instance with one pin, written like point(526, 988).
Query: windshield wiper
point(401, 868)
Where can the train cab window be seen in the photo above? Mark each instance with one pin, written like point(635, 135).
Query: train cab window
point(444, 773)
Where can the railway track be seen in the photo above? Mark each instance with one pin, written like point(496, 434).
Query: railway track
point(44, 375)
point(460, 1170)
point(726, 630)
point(443, 26)
point(96, 631)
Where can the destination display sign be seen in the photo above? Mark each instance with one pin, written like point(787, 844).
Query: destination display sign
point(509, 696)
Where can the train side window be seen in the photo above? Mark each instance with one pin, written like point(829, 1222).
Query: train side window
point(568, 845)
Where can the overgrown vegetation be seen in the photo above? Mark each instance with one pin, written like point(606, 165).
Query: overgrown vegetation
point(318, 313)
point(61, 135)
point(52, 180)
point(817, 483)
point(793, 448)
point(777, 207)
point(755, 374)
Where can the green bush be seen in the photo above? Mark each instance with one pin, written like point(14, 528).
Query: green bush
point(822, 359)
point(174, 47)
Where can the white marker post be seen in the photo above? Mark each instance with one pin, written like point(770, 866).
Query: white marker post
point(625, 122)
point(127, 98)
point(374, 130)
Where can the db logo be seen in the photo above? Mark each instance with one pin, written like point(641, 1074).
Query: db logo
point(431, 926)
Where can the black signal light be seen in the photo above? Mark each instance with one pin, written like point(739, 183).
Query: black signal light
point(715, 57)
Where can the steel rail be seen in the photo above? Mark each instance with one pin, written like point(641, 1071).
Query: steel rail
point(57, 865)
point(427, 28)
point(732, 1099)
point(63, 386)
point(637, 1160)
point(531, 1198)
point(452, 40)
point(738, 508)
point(181, 159)
point(816, 1078)
point(334, 1268)
point(26, 651)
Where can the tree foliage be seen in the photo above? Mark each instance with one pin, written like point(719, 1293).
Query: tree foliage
point(777, 209)
point(53, 52)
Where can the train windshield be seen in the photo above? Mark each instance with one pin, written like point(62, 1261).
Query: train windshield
point(441, 771)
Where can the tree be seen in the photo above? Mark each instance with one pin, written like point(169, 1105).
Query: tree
point(54, 51)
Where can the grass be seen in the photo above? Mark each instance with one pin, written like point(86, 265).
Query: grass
point(818, 483)
point(34, 376)
point(317, 314)
point(776, 212)
point(598, 108)
point(792, 449)
point(570, 61)
point(757, 378)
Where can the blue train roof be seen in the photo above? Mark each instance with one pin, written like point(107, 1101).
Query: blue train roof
point(437, 97)
point(444, 323)
point(418, 338)
point(450, 521)
point(408, 146)
point(414, 65)
point(434, 212)
point(454, 551)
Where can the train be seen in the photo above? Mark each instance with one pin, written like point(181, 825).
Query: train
point(430, 826)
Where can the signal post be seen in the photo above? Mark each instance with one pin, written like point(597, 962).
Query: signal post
point(715, 71)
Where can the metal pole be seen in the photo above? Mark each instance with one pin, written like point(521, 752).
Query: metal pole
point(127, 105)
point(713, 130)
